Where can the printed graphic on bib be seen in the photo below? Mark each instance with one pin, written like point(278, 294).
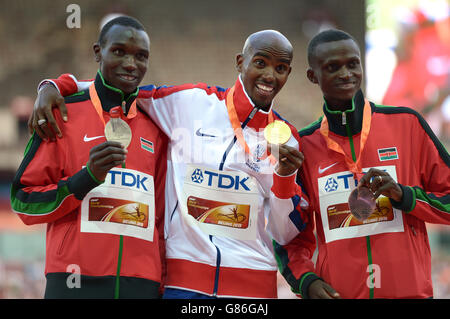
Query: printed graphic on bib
point(118, 211)
point(221, 203)
point(339, 223)
point(219, 213)
point(339, 215)
point(123, 205)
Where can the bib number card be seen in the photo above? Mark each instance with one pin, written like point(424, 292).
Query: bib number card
point(221, 203)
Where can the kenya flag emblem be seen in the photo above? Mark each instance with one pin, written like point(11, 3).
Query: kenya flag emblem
point(147, 145)
point(387, 154)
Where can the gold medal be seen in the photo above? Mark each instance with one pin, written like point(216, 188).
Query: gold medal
point(277, 132)
point(117, 129)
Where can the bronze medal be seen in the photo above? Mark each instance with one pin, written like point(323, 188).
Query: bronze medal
point(361, 203)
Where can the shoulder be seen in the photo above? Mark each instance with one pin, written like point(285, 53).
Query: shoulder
point(311, 128)
point(279, 117)
point(387, 109)
point(405, 113)
point(77, 97)
point(417, 123)
point(156, 92)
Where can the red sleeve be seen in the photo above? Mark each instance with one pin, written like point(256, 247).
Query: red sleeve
point(295, 259)
point(67, 84)
point(42, 191)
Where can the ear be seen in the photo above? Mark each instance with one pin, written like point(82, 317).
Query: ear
point(311, 76)
point(239, 62)
point(97, 52)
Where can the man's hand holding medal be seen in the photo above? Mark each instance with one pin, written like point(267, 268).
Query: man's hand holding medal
point(284, 147)
point(113, 152)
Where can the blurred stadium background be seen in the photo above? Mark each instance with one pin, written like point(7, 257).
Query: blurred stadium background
point(196, 41)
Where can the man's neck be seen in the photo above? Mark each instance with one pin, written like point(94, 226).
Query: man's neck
point(345, 115)
point(340, 106)
point(111, 96)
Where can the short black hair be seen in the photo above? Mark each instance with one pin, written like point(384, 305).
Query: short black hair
point(122, 20)
point(330, 35)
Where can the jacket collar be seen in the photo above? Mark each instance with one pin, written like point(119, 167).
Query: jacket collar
point(110, 96)
point(244, 106)
point(353, 116)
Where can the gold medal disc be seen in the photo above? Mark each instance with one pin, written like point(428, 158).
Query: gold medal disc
point(277, 132)
point(118, 130)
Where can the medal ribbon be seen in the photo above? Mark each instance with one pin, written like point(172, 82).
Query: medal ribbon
point(236, 124)
point(98, 105)
point(354, 167)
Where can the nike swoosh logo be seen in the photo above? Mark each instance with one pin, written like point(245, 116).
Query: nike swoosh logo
point(321, 170)
point(88, 139)
point(198, 133)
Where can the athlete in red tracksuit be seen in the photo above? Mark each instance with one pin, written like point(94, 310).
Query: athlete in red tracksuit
point(53, 181)
point(387, 256)
point(103, 236)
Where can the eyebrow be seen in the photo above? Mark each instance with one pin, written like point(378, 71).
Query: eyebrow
point(124, 44)
point(337, 60)
point(267, 56)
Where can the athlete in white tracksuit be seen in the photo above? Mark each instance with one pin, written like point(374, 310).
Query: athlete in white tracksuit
point(225, 200)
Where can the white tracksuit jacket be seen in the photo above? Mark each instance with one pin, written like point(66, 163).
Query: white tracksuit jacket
point(230, 253)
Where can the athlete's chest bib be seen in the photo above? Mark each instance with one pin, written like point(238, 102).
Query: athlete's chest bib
point(123, 205)
point(221, 203)
point(339, 223)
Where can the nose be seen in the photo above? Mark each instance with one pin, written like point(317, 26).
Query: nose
point(345, 73)
point(268, 75)
point(129, 63)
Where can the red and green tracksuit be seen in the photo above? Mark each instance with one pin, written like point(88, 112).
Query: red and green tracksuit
point(389, 257)
point(51, 183)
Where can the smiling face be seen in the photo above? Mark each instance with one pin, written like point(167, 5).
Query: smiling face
point(336, 68)
point(264, 66)
point(123, 57)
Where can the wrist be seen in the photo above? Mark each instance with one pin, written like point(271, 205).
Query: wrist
point(305, 282)
point(284, 186)
point(97, 180)
point(407, 201)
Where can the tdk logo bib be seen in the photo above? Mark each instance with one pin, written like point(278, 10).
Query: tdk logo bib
point(197, 176)
point(129, 179)
point(331, 185)
point(220, 180)
point(341, 181)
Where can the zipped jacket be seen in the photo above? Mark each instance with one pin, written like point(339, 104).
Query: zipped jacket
point(116, 251)
point(387, 256)
point(224, 205)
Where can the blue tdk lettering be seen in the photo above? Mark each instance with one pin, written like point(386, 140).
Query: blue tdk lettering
point(128, 179)
point(227, 181)
point(242, 183)
point(211, 175)
point(346, 178)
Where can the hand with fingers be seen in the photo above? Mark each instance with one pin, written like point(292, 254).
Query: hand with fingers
point(289, 159)
point(319, 289)
point(105, 156)
point(42, 120)
point(381, 183)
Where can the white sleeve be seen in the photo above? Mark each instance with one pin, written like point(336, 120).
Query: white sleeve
point(288, 206)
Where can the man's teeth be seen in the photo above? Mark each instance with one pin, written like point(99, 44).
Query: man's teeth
point(128, 77)
point(264, 88)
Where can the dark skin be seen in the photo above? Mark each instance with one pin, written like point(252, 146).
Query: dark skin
point(264, 66)
point(123, 61)
point(336, 68)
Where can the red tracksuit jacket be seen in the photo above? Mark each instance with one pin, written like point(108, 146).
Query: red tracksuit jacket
point(52, 183)
point(389, 257)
